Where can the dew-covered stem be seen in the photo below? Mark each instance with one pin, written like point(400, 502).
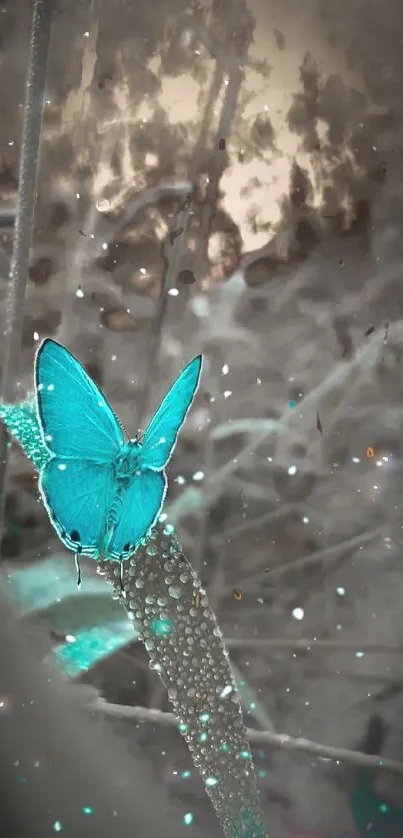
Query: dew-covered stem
point(164, 597)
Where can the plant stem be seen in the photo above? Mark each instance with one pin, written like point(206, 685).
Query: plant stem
point(24, 217)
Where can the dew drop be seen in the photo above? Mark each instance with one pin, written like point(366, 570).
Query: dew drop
point(139, 582)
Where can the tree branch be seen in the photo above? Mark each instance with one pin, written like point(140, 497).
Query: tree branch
point(276, 740)
point(308, 644)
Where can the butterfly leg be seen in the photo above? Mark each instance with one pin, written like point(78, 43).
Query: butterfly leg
point(78, 568)
point(121, 578)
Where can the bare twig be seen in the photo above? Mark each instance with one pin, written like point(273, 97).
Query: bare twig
point(328, 553)
point(277, 740)
point(338, 377)
point(309, 644)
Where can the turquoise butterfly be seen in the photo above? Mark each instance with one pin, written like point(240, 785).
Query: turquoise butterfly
point(102, 492)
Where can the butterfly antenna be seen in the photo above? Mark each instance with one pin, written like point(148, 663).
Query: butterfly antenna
point(78, 568)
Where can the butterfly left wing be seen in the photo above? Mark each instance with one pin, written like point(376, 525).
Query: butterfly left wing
point(161, 434)
point(141, 504)
point(75, 417)
point(77, 496)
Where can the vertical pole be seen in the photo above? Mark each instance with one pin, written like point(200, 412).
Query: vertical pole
point(28, 169)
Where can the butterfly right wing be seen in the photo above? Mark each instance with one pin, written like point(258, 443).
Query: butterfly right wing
point(77, 496)
point(161, 434)
point(141, 505)
point(76, 420)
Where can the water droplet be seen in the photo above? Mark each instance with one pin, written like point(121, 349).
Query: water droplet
point(169, 529)
point(188, 818)
point(211, 781)
point(175, 591)
point(226, 691)
point(162, 600)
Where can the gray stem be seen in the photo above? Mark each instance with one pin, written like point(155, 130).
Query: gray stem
point(24, 218)
point(164, 597)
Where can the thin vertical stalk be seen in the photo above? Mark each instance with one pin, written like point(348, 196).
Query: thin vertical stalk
point(31, 133)
point(172, 261)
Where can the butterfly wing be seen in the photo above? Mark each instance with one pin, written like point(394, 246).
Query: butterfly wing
point(77, 496)
point(160, 437)
point(141, 505)
point(75, 417)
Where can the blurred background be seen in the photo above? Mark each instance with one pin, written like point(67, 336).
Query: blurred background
point(225, 177)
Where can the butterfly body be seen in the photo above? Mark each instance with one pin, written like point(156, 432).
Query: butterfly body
point(103, 493)
point(128, 462)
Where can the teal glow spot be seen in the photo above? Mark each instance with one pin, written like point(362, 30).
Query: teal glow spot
point(204, 717)
point(57, 827)
point(188, 818)
point(88, 810)
point(183, 728)
point(211, 781)
point(384, 808)
point(39, 587)
point(225, 747)
point(246, 755)
point(203, 737)
point(162, 627)
point(92, 645)
point(262, 773)
point(186, 774)
point(292, 403)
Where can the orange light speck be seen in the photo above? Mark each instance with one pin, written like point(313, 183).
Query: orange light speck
point(237, 594)
point(370, 452)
